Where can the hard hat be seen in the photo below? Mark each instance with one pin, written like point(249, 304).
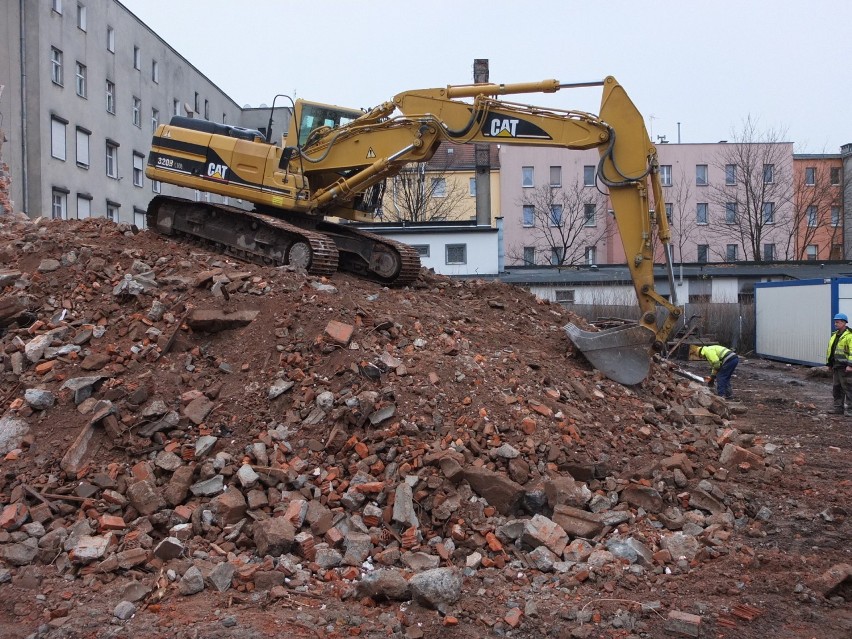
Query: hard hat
point(841, 316)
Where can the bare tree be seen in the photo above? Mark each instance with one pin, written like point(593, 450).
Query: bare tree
point(753, 204)
point(813, 217)
point(564, 222)
point(683, 221)
point(423, 193)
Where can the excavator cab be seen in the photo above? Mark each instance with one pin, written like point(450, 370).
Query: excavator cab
point(313, 117)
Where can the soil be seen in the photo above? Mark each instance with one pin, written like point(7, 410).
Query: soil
point(479, 365)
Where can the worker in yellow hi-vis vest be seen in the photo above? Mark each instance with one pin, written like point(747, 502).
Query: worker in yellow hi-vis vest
point(723, 362)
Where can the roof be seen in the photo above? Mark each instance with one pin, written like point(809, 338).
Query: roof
point(817, 156)
point(614, 274)
point(412, 228)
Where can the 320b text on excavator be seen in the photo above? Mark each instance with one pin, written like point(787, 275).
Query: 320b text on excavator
point(333, 163)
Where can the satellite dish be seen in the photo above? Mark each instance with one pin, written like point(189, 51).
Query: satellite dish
point(189, 110)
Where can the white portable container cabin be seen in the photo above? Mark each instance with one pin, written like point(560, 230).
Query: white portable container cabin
point(793, 319)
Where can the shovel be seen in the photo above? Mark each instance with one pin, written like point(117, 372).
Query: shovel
point(622, 353)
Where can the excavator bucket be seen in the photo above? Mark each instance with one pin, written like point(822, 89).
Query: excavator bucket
point(622, 353)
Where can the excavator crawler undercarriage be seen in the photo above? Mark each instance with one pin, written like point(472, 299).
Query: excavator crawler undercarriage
point(266, 239)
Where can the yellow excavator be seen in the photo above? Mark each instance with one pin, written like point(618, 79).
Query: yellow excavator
point(333, 162)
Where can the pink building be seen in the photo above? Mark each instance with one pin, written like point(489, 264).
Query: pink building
point(726, 202)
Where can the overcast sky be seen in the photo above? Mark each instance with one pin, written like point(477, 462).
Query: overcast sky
point(705, 65)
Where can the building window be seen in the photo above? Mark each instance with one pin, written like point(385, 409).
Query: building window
point(112, 160)
point(811, 213)
point(422, 249)
point(556, 176)
point(137, 58)
point(56, 5)
point(81, 80)
point(669, 212)
point(731, 252)
point(835, 175)
point(703, 252)
point(84, 207)
point(701, 213)
point(591, 255)
point(110, 97)
point(555, 215)
point(57, 138)
point(112, 211)
point(701, 175)
point(529, 215)
point(730, 174)
point(768, 252)
point(138, 168)
point(810, 176)
point(156, 187)
point(528, 178)
point(529, 255)
point(730, 212)
point(81, 17)
point(155, 72)
point(137, 112)
point(439, 187)
point(471, 186)
point(83, 148)
point(155, 119)
point(195, 103)
point(59, 210)
point(588, 175)
point(564, 295)
point(557, 255)
point(56, 66)
point(666, 174)
point(811, 252)
point(206, 110)
point(175, 107)
point(589, 214)
point(140, 218)
point(835, 216)
point(768, 173)
point(110, 39)
point(769, 212)
point(456, 253)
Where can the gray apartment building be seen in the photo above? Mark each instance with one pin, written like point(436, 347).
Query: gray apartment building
point(84, 85)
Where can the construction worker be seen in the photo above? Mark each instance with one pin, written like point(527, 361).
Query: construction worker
point(723, 361)
point(837, 358)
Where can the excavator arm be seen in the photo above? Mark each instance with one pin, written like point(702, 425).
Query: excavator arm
point(628, 168)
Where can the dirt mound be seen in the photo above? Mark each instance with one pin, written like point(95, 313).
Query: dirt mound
point(182, 432)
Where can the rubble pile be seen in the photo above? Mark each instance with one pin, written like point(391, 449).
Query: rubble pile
point(191, 423)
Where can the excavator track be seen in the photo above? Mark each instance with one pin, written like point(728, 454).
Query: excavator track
point(247, 235)
point(319, 247)
point(372, 256)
